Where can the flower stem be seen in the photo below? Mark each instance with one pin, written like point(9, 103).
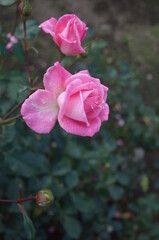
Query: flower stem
point(33, 198)
point(16, 18)
point(61, 56)
point(15, 107)
point(9, 119)
point(26, 53)
point(73, 63)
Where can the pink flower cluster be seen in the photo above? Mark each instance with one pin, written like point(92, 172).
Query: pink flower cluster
point(13, 40)
point(77, 101)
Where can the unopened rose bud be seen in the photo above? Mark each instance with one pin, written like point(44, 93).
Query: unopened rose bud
point(44, 198)
point(25, 9)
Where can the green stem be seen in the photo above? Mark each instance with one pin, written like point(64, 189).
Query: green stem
point(2, 122)
point(15, 107)
point(61, 56)
point(73, 63)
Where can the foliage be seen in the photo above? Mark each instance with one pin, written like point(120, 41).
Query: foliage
point(102, 190)
point(6, 2)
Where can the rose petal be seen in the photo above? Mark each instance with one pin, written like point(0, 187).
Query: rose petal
point(62, 22)
point(68, 47)
point(74, 34)
point(81, 27)
point(92, 109)
point(49, 26)
point(40, 111)
point(67, 30)
point(104, 114)
point(84, 72)
point(55, 77)
point(65, 96)
point(105, 92)
point(85, 77)
point(74, 107)
point(80, 128)
point(72, 89)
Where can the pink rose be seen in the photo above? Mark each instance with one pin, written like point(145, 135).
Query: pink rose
point(78, 102)
point(68, 33)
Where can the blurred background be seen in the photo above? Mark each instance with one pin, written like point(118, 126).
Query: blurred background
point(105, 187)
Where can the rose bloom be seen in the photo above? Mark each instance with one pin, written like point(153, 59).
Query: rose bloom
point(78, 102)
point(68, 33)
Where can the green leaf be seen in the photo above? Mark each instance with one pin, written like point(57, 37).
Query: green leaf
point(13, 186)
point(31, 30)
point(75, 150)
point(72, 227)
point(7, 2)
point(111, 180)
point(143, 237)
point(83, 203)
point(17, 76)
point(112, 73)
point(19, 52)
point(144, 183)
point(27, 165)
point(9, 134)
point(59, 189)
point(123, 178)
point(116, 192)
point(61, 169)
point(12, 90)
point(17, 166)
point(29, 228)
point(99, 44)
point(72, 179)
point(3, 50)
point(36, 161)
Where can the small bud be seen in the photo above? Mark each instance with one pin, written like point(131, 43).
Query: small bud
point(44, 198)
point(25, 9)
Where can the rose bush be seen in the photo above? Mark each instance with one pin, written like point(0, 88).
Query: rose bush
point(78, 101)
point(92, 179)
point(68, 33)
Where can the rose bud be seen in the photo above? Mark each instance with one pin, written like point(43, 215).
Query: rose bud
point(25, 9)
point(68, 32)
point(44, 198)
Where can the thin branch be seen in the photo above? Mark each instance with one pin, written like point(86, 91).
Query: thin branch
point(2, 122)
point(61, 56)
point(16, 19)
point(15, 107)
point(26, 53)
point(73, 63)
point(33, 198)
